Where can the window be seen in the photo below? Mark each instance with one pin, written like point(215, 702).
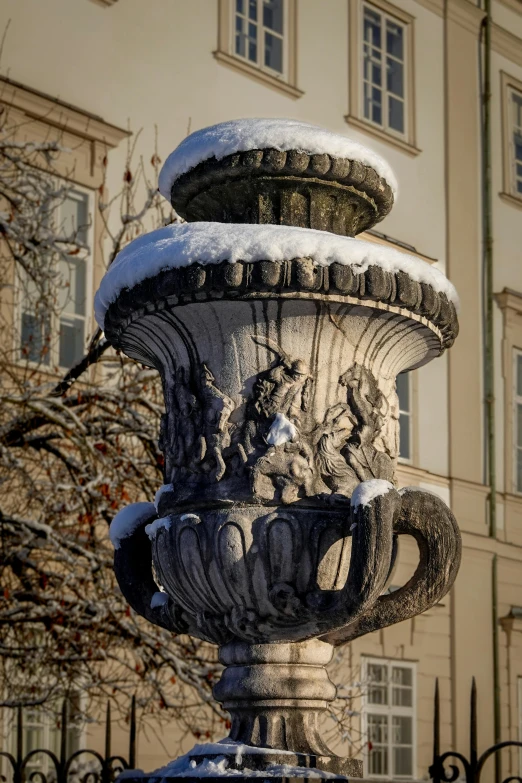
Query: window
point(511, 92)
point(404, 393)
point(381, 72)
point(41, 730)
point(389, 719)
point(56, 336)
point(258, 37)
point(517, 439)
point(259, 33)
point(515, 103)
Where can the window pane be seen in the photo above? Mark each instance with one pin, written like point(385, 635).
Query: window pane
point(401, 730)
point(240, 6)
point(71, 341)
point(252, 43)
point(396, 115)
point(377, 684)
point(402, 762)
point(372, 27)
point(74, 214)
point(274, 52)
point(519, 470)
point(240, 37)
point(72, 293)
point(246, 39)
point(519, 374)
point(395, 77)
point(252, 10)
point(403, 392)
point(395, 40)
point(378, 744)
point(402, 676)
point(273, 15)
point(376, 105)
point(402, 686)
point(35, 338)
point(402, 735)
point(404, 436)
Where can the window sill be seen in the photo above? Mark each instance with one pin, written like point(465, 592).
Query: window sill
point(509, 198)
point(367, 127)
point(257, 74)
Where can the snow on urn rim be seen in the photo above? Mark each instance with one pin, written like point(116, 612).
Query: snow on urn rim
point(177, 246)
point(227, 138)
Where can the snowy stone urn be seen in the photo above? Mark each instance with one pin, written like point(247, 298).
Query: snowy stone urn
point(278, 338)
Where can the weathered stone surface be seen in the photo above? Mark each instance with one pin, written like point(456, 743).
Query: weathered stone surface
point(280, 402)
point(291, 188)
point(240, 280)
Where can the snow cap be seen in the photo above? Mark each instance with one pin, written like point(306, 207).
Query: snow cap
point(226, 138)
point(367, 491)
point(177, 246)
point(128, 519)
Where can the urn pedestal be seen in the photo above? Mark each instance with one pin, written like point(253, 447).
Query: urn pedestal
point(278, 347)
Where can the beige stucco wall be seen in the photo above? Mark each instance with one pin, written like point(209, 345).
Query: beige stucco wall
point(146, 65)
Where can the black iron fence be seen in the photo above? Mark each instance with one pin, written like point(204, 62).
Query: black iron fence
point(85, 765)
point(471, 767)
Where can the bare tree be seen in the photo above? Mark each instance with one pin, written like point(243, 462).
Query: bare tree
point(73, 450)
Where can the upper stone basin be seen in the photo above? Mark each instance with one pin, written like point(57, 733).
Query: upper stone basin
point(278, 171)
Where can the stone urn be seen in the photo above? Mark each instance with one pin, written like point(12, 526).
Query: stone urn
point(278, 337)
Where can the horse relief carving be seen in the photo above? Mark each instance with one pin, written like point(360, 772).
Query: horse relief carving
point(277, 451)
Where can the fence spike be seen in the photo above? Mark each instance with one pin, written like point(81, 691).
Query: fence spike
point(108, 731)
point(63, 736)
point(19, 735)
point(132, 735)
point(436, 723)
point(473, 746)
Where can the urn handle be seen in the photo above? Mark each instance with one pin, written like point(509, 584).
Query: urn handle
point(426, 517)
point(375, 507)
point(133, 569)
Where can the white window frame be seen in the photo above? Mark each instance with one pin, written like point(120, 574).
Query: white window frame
point(261, 29)
point(409, 414)
point(385, 125)
point(88, 257)
point(512, 91)
point(517, 400)
point(390, 711)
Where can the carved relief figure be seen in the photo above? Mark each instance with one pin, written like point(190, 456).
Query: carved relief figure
point(370, 408)
point(349, 446)
point(284, 389)
point(216, 408)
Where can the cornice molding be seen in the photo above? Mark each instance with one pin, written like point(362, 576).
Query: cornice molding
point(465, 14)
point(509, 299)
point(506, 44)
point(436, 6)
point(52, 111)
point(515, 5)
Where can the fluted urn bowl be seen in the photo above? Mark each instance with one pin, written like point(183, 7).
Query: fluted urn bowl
point(278, 348)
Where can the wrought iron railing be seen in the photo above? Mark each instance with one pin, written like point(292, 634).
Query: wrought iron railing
point(104, 767)
point(471, 767)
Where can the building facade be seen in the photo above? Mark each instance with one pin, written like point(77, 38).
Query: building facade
point(405, 78)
